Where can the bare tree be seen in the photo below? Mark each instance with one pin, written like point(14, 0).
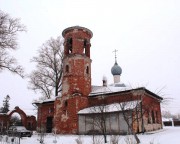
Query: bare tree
point(131, 112)
point(96, 120)
point(134, 110)
point(167, 114)
point(9, 28)
point(99, 116)
point(99, 119)
point(48, 74)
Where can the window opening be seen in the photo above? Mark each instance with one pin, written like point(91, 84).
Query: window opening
point(149, 117)
point(69, 45)
point(85, 46)
point(153, 117)
point(66, 103)
point(67, 68)
point(157, 120)
point(87, 70)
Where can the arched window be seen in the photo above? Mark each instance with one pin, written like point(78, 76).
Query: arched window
point(67, 68)
point(69, 45)
point(66, 103)
point(85, 46)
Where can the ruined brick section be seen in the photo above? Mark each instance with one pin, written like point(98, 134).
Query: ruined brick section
point(77, 41)
point(28, 121)
point(47, 110)
point(66, 120)
point(76, 83)
point(78, 78)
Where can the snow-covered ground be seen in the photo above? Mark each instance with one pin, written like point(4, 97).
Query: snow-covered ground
point(168, 135)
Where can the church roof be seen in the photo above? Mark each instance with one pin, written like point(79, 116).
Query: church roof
point(51, 100)
point(97, 90)
point(117, 89)
point(111, 107)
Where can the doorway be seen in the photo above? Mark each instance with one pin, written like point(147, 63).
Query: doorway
point(49, 124)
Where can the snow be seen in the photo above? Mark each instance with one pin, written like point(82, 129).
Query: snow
point(168, 135)
point(43, 100)
point(117, 87)
point(111, 107)
point(167, 119)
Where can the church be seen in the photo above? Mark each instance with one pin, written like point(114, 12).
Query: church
point(86, 109)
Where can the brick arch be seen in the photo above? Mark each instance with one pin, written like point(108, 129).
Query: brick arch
point(21, 113)
point(28, 121)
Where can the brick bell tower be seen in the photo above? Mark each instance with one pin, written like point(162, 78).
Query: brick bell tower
point(76, 83)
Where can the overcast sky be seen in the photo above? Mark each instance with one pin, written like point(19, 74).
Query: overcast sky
point(146, 34)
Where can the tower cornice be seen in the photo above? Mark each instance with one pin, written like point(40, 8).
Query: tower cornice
point(77, 27)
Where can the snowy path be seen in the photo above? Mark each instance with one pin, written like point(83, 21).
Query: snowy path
point(169, 135)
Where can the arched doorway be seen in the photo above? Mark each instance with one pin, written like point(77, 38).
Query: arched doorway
point(15, 119)
point(21, 114)
point(27, 121)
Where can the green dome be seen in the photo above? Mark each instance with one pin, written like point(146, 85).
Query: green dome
point(116, 69)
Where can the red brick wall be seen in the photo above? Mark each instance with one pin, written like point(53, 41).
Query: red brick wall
point(149, 103)
point(66, 118)
point(76, 80)
point(44, 110)
point(76, 83)
point(4, 122)
point(28, 121)
point(31, 123)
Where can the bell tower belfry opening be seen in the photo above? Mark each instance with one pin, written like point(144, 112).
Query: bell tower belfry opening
point(76, 62)
point(77, 40)
point(76, 82)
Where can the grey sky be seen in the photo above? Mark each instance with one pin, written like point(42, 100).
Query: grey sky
point(145, 33)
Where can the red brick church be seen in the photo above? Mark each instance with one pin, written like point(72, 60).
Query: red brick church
point(74, 112)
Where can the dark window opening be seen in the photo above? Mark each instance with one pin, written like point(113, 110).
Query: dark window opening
point(153, 117)
point(66, 103)
point(69, 45)
point(67, 68)
point(85, 46)
point(87, 70)
point(157, 120)
point(85, 43)
point(149, 117)
point(49, 124)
